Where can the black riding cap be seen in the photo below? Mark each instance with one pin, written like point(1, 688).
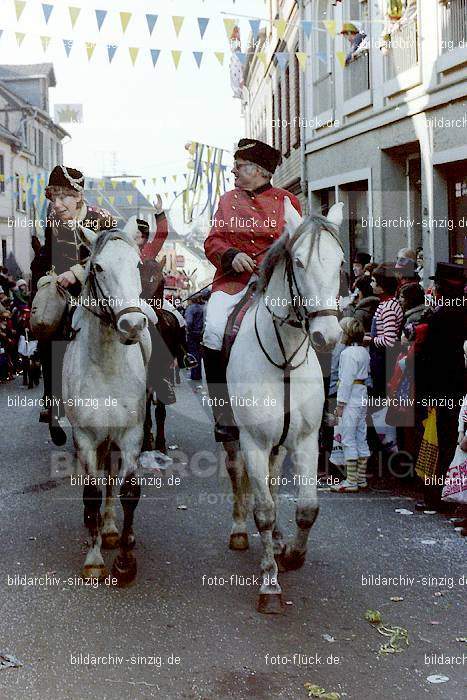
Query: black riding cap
point(259, 153)
point(67, 178)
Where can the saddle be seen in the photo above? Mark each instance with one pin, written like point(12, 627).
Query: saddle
point(235, 320)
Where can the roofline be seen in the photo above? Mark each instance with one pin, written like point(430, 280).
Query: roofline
point(49, 74)
point(22, 104)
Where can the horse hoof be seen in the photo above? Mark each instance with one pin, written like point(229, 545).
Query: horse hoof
point(124, 570)
point(110, 540)
point(270, 604)
point(94, 571)
point(238, 541)
point(290, 562)
point(131, 541)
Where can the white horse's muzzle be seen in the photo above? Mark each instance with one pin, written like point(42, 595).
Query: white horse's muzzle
point(130, 326)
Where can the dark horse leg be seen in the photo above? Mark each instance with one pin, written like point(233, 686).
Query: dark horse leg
point(124, 567)
point(161, 414)
point(148, 440)
point(94, 566)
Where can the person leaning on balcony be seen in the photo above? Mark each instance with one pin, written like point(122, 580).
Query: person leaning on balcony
point(355, 36)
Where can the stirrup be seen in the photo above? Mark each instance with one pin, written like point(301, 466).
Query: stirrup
point(189, 361)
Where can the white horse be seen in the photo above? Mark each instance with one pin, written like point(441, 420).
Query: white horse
point(276, 385)
point(107, 362)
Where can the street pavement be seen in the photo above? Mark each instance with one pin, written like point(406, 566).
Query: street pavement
point(188, 627)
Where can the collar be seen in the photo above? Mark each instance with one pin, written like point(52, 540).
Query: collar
point(259, 190)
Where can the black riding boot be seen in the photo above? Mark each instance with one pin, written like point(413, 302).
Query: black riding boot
point(225, 429)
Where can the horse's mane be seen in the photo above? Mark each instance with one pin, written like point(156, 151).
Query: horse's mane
point(113, 234)
point(311, 226)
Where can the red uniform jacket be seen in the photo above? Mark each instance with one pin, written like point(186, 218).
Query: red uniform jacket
point(247, 222)
point(152, 248)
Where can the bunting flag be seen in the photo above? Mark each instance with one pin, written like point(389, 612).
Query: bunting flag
point(125, 20)
point(74, 14)
point(302, 59)
point(130, 198)
point(111, 51)
point(254, 24)
point(178, 23)
point(282, 58)
point(241, 57)
point(155, 53)
point(90, 49)
point(151, 20)
point(100, 18)
point(20, 37)
point(198, 57)
point(281, 26)
point(68, 45)
point(112, 200)
point(341, 57)
point(19, 7)
point(262, 57)
point(100, 199)
point(220, 55)
point(229, 25)
point(45, 41)
point(134, 51)
point(307, 27)
point(47, 10)
point(330, 25)
point(202, 24)
point(1, 32)
point(114, 184)
point(176, 57)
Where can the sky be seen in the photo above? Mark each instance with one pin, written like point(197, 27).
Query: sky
point(136, 119)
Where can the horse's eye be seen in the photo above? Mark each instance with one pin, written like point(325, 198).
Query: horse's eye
point(98, 268)
point(299, 263)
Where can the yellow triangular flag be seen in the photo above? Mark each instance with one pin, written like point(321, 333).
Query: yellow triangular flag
point(341, 57)
point(301, 58)
point(281, 26)
point(174, 178)
point(90, 49)
point(100, 199)
point(177, 22)
point(134, 51)
point(125, 19)
point(134, 183)
point(20, 37)
point(19, 7)
point(262, 57)
point(74, 14)
point(45, 41)
point(220, 56)
point(229, 25)
point(114, 184)
point(330, 25)
point(112, 200)
point(101, 184)
point(130, 199)
point(176, 57)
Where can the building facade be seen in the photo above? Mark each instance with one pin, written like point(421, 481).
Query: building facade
point(30, 146)
point(383, 119)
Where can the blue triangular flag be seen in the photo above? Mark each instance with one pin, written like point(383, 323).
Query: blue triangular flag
point(155, 55)
point(307, 26)
point(144, 181)
point(151, 20)
point(241, 57)
point(322, 56)
point(1, 32)
point(111, 51)
point(282, 58)
point(198, 57)
point(100, 17)
point(68, 44)
point(254, 24)
point(203, 23)
point(47, 10)
point(164, 177)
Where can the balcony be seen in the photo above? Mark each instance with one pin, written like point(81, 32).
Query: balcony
point(453, 24)
point(357, 76)
point(402, 55)
point(322, 94)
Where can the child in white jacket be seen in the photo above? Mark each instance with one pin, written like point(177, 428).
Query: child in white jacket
point(352, 401)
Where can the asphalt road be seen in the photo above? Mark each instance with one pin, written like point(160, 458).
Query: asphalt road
point(179, 632)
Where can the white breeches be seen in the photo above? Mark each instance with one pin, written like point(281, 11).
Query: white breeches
point(220, 306)
point(353, 424)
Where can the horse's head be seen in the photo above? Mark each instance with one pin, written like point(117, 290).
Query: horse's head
point(316, 255)
point(114, 284)
point(152, 279)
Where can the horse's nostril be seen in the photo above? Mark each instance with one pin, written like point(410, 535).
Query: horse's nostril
point(318, 339)
point(124, 325)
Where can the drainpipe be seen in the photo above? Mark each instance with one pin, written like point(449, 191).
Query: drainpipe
point(302, 87)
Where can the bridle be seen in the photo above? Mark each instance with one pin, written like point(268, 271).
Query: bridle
point(301, 321)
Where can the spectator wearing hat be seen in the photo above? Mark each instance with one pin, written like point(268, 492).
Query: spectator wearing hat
point(249, 219)
point(355, 36)
point(440, 374)
point(366, 302)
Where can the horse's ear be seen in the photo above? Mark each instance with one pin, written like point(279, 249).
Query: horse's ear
point(163, 261)
point(131, 227)
point(292, 218)
point(335, 215)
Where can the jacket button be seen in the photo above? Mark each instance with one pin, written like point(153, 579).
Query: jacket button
point(252, 241)
point(233, 207)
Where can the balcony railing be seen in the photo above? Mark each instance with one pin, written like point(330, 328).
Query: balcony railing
point(453, 24)
point(322, 94)
point(357, 75)
point(402, 50)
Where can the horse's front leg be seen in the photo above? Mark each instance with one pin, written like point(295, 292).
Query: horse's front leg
point(305, 461)
point(161, 415)
point(275, 473)
point(241, 496)
point(148, 440)
point(109, 530)
point(94, 567)
point(124, 567)
point(264, 511)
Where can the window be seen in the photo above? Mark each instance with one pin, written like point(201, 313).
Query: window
point(287, 111)
point(2, 173)
point(323, 53)
point(58, 154)
point(20, 193)
point(52, 154)
point(40, 152)
point(3, 251)
point(296, 98)
point(279, 115)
